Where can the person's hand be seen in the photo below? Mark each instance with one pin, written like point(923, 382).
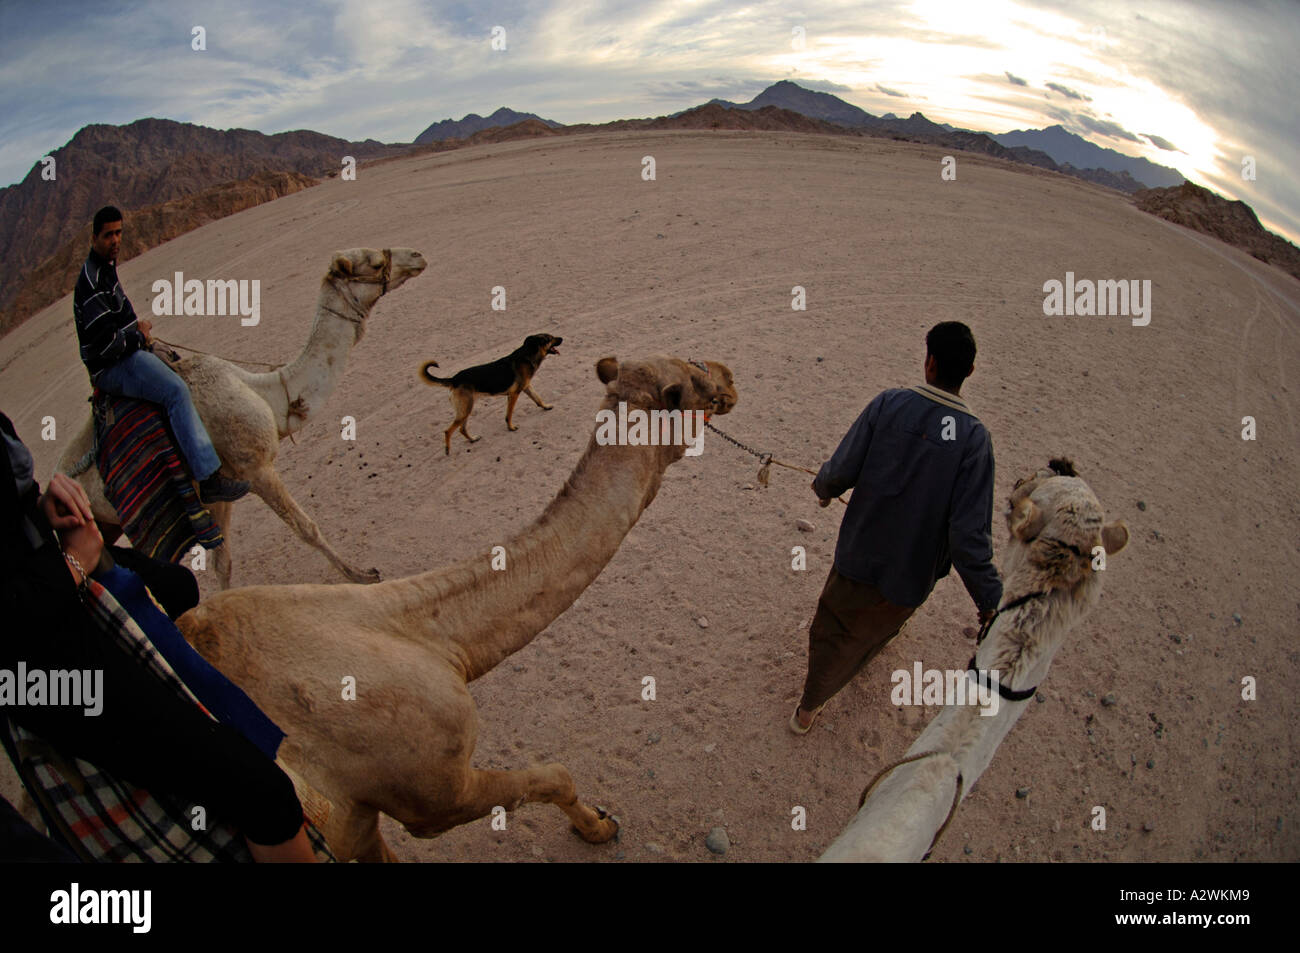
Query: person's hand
point(65, 503)
point(85, 544)
point(987, 616)
point(820, 500)
point(145, 326)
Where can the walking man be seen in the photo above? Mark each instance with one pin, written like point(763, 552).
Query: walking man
point(921, 465)
point(115, 347)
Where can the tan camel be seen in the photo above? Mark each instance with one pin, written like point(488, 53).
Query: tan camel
point(1055, 525)
point(403, 745)
point(247, 414)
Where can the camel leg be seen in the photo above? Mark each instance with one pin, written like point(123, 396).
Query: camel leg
point(549, 784)
point(267, 484)
point(537, 400)
point(372, 848)
point(510, 409)
point(222, 513)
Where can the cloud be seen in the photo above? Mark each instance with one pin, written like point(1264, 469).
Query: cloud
point(891, 92)
point(1105, 127)
point(1016, 80)
point(825, 86)
point(1161, 143)
point(1068, 92)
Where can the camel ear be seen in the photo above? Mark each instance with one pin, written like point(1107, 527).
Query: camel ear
point(1114, 536)
point(1026, 520)
point(341, 265)
point(607, 369)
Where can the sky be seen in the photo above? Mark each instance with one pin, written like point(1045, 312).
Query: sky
point(1198, 85)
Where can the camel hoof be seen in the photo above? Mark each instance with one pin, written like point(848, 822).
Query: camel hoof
point(606, 829)
point(511, 427)
point(366, 576)
point(548, 406)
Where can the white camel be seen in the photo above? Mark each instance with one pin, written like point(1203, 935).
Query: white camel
point(248, 414)
point(1057, 535)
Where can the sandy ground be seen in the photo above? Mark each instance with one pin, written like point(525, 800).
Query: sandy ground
point(701, 262)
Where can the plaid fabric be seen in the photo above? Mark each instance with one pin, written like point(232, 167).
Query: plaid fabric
point(146, 480)
point(102, 818)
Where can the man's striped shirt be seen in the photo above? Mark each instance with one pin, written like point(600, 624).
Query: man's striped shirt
point(106, 322)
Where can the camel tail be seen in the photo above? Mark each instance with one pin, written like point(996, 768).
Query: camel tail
point(429, 378)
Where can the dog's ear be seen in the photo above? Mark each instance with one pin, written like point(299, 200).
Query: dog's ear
point(607, 369)
point(341, 265)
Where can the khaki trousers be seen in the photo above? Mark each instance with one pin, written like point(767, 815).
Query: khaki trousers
point(853, 622)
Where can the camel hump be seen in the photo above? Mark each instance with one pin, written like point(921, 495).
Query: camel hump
point(429, 378)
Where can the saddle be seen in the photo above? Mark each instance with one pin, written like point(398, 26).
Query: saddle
point(147, 481)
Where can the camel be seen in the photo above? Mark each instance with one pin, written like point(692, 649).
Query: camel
point(403, 745)
point(1055, 524)
point(248, 414)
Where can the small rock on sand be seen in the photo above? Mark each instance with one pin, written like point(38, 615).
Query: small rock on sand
point(717, 841)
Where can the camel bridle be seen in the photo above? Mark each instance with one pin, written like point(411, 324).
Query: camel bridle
point(341, 281)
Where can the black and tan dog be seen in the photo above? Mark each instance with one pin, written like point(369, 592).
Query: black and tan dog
point(511, 375)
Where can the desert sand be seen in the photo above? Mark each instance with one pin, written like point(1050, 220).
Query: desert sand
point(700, 263)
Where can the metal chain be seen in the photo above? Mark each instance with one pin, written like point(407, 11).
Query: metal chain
point(763, 457)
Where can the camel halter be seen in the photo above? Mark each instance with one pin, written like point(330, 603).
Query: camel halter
point(340, 282)
point(1009, 694)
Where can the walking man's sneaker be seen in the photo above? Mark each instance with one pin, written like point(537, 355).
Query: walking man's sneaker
point(219, 489)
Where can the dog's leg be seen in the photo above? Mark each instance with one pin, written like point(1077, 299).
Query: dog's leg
point(464, 407)
point(537, 400)
point(510, 409)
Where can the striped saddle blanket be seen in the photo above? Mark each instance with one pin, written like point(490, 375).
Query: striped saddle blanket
point(146, 480)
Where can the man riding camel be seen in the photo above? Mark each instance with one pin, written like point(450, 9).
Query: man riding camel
point(117, 351)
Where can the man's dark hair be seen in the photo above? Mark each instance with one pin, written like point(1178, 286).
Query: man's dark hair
point(952, 345)
point(106, 216)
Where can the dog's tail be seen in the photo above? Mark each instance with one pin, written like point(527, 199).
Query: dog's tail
point(429, 378)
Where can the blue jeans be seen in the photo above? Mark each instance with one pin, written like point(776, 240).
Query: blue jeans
point(141, 374)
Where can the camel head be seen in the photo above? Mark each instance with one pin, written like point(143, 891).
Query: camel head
point(667, 383)
point(367, 274)
point(1055, 522)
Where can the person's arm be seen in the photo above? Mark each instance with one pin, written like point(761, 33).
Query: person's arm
point(143, 732)
point(970, 526)
point(841, 471)
point(103, 333)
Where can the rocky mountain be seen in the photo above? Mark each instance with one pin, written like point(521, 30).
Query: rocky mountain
point(806, 102)
point(1232, 222)
point(171, 177)
point(1066, 148)
point(464, 128)
point(148, 227)
point(143, 164)
point(917, 128)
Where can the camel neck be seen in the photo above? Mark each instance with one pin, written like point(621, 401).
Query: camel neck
point(484, 614)
point(313, 374)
